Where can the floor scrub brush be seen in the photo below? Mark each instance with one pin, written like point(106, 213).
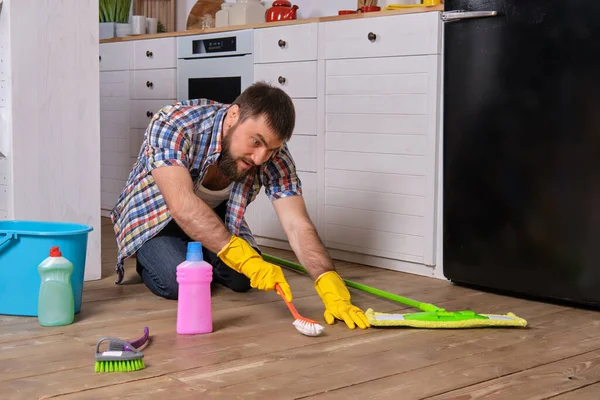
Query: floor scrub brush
point(305, 326)
point(121, 355)
point(430, 316)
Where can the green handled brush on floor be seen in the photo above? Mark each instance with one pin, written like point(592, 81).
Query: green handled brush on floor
point(431, 315)
point(121, 355)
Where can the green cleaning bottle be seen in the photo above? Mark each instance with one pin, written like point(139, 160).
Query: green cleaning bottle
point(56, 304)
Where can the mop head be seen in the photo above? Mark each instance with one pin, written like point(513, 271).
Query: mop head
point(444, 319)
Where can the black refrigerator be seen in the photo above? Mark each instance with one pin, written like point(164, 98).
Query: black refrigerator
point(521, 147)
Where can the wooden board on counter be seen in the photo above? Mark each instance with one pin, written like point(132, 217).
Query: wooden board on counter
point(411, 10)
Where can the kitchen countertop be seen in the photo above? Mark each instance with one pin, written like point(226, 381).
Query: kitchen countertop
point(411, 10)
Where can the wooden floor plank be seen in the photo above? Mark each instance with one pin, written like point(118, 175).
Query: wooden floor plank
point(255, 352)
point(590, 392)
point(159, 388)
point(537, 383)
point(266, 332)
point(349, 362)
point(565, 334)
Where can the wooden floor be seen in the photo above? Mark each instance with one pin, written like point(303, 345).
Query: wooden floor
point(256, 353)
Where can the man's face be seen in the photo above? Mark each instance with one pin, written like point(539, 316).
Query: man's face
point(245, 145)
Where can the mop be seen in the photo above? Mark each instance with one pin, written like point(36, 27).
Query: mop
point(431, 316)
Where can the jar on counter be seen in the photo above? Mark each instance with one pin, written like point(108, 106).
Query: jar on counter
point(245, 12)
point(222, 16)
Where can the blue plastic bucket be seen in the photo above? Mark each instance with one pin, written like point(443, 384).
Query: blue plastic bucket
point(23, 246)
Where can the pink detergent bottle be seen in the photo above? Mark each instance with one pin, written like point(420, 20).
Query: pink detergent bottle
point(194, 310)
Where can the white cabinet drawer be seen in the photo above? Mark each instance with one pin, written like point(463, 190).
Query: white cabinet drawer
point(154, 84)
point(285, 43)
point(304, 152)
point(155, 53)
point(115, 56)
point(136, 138)
point(115, 172)
point(3, 197)
point(143, 110)
point(108, 200)
point(401, 35)
point(117, 159)
point(298, 79)
point(114, 131)
point(114, 84)
point(306, 116)
point(113, 145)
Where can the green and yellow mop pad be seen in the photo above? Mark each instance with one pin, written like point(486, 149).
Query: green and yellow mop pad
point(430, 316)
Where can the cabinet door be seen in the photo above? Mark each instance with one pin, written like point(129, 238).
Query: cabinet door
point(381, 127)
point(115, 56)
point(268, 224)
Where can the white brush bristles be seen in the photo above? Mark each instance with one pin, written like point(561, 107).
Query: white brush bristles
point(308, 328)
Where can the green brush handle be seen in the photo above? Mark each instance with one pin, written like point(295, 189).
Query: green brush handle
point(368, 289)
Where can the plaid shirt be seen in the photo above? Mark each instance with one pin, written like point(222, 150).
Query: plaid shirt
point(188, 134)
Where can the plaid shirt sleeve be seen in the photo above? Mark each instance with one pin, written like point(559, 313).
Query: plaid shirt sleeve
point(168, 145)
point(280, 178)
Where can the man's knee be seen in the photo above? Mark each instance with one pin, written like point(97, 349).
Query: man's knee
point(161, 285)
point(240, 283)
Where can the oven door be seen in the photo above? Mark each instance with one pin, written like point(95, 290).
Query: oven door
point(220, 79)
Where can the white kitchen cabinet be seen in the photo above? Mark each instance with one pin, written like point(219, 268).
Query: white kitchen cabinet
point(382, 127)
point(367, 137)
point(286, 57)
point(115, 62)
point(137, 79)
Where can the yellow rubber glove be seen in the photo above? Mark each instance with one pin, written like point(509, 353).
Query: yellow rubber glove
point(241, 257)
point(336, 297)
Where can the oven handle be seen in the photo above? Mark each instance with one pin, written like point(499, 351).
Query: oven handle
point(211, 57)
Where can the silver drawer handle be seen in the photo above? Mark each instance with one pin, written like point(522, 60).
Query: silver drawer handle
point(372, 37)
point(148, 53)
point(460, 14)
point(149, 84)
point(281, 43)
point(281, 80)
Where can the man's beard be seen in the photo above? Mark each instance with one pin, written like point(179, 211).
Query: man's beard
point(227, 165)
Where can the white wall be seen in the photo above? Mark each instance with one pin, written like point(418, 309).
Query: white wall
point(55, 115)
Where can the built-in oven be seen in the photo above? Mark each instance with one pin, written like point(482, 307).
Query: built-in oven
point(215, 66)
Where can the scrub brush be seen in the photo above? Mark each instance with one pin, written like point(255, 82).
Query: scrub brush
point(121, 355)
point(305, 326)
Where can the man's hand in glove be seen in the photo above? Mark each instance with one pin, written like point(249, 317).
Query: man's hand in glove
point(336, 297)
point(241, 257)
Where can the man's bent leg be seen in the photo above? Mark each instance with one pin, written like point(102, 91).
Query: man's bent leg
point(158, 258)
point(226, 276)
point(222, 273)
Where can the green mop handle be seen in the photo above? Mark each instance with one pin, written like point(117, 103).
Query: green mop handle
point(426, 307)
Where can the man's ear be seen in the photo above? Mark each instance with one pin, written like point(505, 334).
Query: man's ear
point(233, 115)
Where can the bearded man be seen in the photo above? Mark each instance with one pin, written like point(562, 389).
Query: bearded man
point(199, 167)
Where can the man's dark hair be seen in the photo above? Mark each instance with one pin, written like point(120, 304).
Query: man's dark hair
point(261, 98)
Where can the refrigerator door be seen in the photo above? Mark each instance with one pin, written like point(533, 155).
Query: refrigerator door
point(522, 148)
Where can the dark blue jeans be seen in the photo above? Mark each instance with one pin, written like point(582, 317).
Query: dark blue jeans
point(158, 258)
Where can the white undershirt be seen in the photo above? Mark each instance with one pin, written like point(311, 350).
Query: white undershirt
point(213, 197)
